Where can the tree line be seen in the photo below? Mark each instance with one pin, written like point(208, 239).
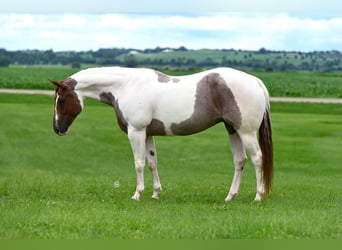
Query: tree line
point(44, 57)
point(261, 59)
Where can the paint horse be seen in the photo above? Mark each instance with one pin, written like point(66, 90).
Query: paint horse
point(149, 103)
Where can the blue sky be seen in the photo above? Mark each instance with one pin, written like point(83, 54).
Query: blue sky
point(245, 24)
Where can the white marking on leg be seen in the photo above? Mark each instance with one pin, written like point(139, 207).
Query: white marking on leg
point(240, 157)
point(137, 139)
point(151, 155)
point(251, 144)
point(257, 161)
point(139, 168)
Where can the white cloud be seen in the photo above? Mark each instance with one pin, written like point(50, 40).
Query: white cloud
point(74, 20)
point(221, 30)
point(119, 21)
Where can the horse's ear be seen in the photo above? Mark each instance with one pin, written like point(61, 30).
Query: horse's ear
point(58, 84)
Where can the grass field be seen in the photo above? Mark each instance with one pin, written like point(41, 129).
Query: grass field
point(79, 186)
point(32, 77)
point(290, 84)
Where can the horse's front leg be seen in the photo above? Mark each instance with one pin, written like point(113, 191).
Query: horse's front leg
point(151, 155)
point(137, 139)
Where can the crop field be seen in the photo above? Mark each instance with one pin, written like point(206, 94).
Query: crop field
point(290, 84)
point(79, 186)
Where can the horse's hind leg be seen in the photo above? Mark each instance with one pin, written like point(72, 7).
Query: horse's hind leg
point(151, 155)
point(239, 155)
point(251, 144)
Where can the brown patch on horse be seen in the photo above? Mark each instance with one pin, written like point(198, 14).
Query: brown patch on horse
point(162, 77)
point(109, 99)
point(214, 103)
point(67, 106)
point(165, 78)
point(156, 127)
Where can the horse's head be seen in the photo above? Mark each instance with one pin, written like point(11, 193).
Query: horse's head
point(68, 104)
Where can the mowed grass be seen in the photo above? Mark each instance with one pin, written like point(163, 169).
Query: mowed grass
point(79, 186)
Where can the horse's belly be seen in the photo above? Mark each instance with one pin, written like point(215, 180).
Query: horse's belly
point(175, 106)
point(174, 113)
point(184, 120)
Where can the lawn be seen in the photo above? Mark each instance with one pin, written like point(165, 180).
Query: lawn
point(79, 186)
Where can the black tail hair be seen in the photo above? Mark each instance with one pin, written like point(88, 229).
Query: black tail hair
point(266, 145)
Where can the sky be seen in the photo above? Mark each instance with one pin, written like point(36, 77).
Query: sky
point(81, 25)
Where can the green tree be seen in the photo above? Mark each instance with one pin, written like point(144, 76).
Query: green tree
point(76, 65)
point(130, 61)
point(4, 61)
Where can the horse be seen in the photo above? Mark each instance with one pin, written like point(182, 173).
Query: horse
point(149, 103)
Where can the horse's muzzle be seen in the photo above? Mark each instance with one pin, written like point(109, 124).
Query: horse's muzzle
point(61, 132)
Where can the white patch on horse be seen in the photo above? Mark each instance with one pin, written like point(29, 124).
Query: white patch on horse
point(175, 104)
point(56, 113)
point(156, 127)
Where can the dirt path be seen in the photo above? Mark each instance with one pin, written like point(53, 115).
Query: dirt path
point(307, 100)
point(273, 99)
point(27, 91)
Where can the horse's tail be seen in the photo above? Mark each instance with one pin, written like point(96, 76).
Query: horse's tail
point(266, 146)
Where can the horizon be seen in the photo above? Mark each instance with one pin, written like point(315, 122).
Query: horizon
point(174, 50)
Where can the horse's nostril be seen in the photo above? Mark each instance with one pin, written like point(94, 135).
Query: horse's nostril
point(56, 131)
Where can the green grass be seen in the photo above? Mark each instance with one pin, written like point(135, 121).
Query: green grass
point(302, 84)
point(291, 84)
point(79, 186)
point(32, 77)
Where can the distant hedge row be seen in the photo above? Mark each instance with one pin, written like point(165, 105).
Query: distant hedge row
point(262, 59)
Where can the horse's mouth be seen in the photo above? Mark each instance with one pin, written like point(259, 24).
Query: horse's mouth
point(58, 132)
point(61, 134)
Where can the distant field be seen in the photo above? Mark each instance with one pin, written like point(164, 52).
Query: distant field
point(290, 84)
point(276, 60)
point(302, 84)
point(79, 186)
point(32, 77)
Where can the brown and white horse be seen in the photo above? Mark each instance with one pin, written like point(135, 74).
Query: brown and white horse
point(148, 103)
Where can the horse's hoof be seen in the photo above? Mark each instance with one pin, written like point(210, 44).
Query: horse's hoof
point(258, 197)
point(135, 197)
point(155, 195)
point(230, 197)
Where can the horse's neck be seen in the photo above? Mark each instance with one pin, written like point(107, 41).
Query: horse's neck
point(92, 83)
